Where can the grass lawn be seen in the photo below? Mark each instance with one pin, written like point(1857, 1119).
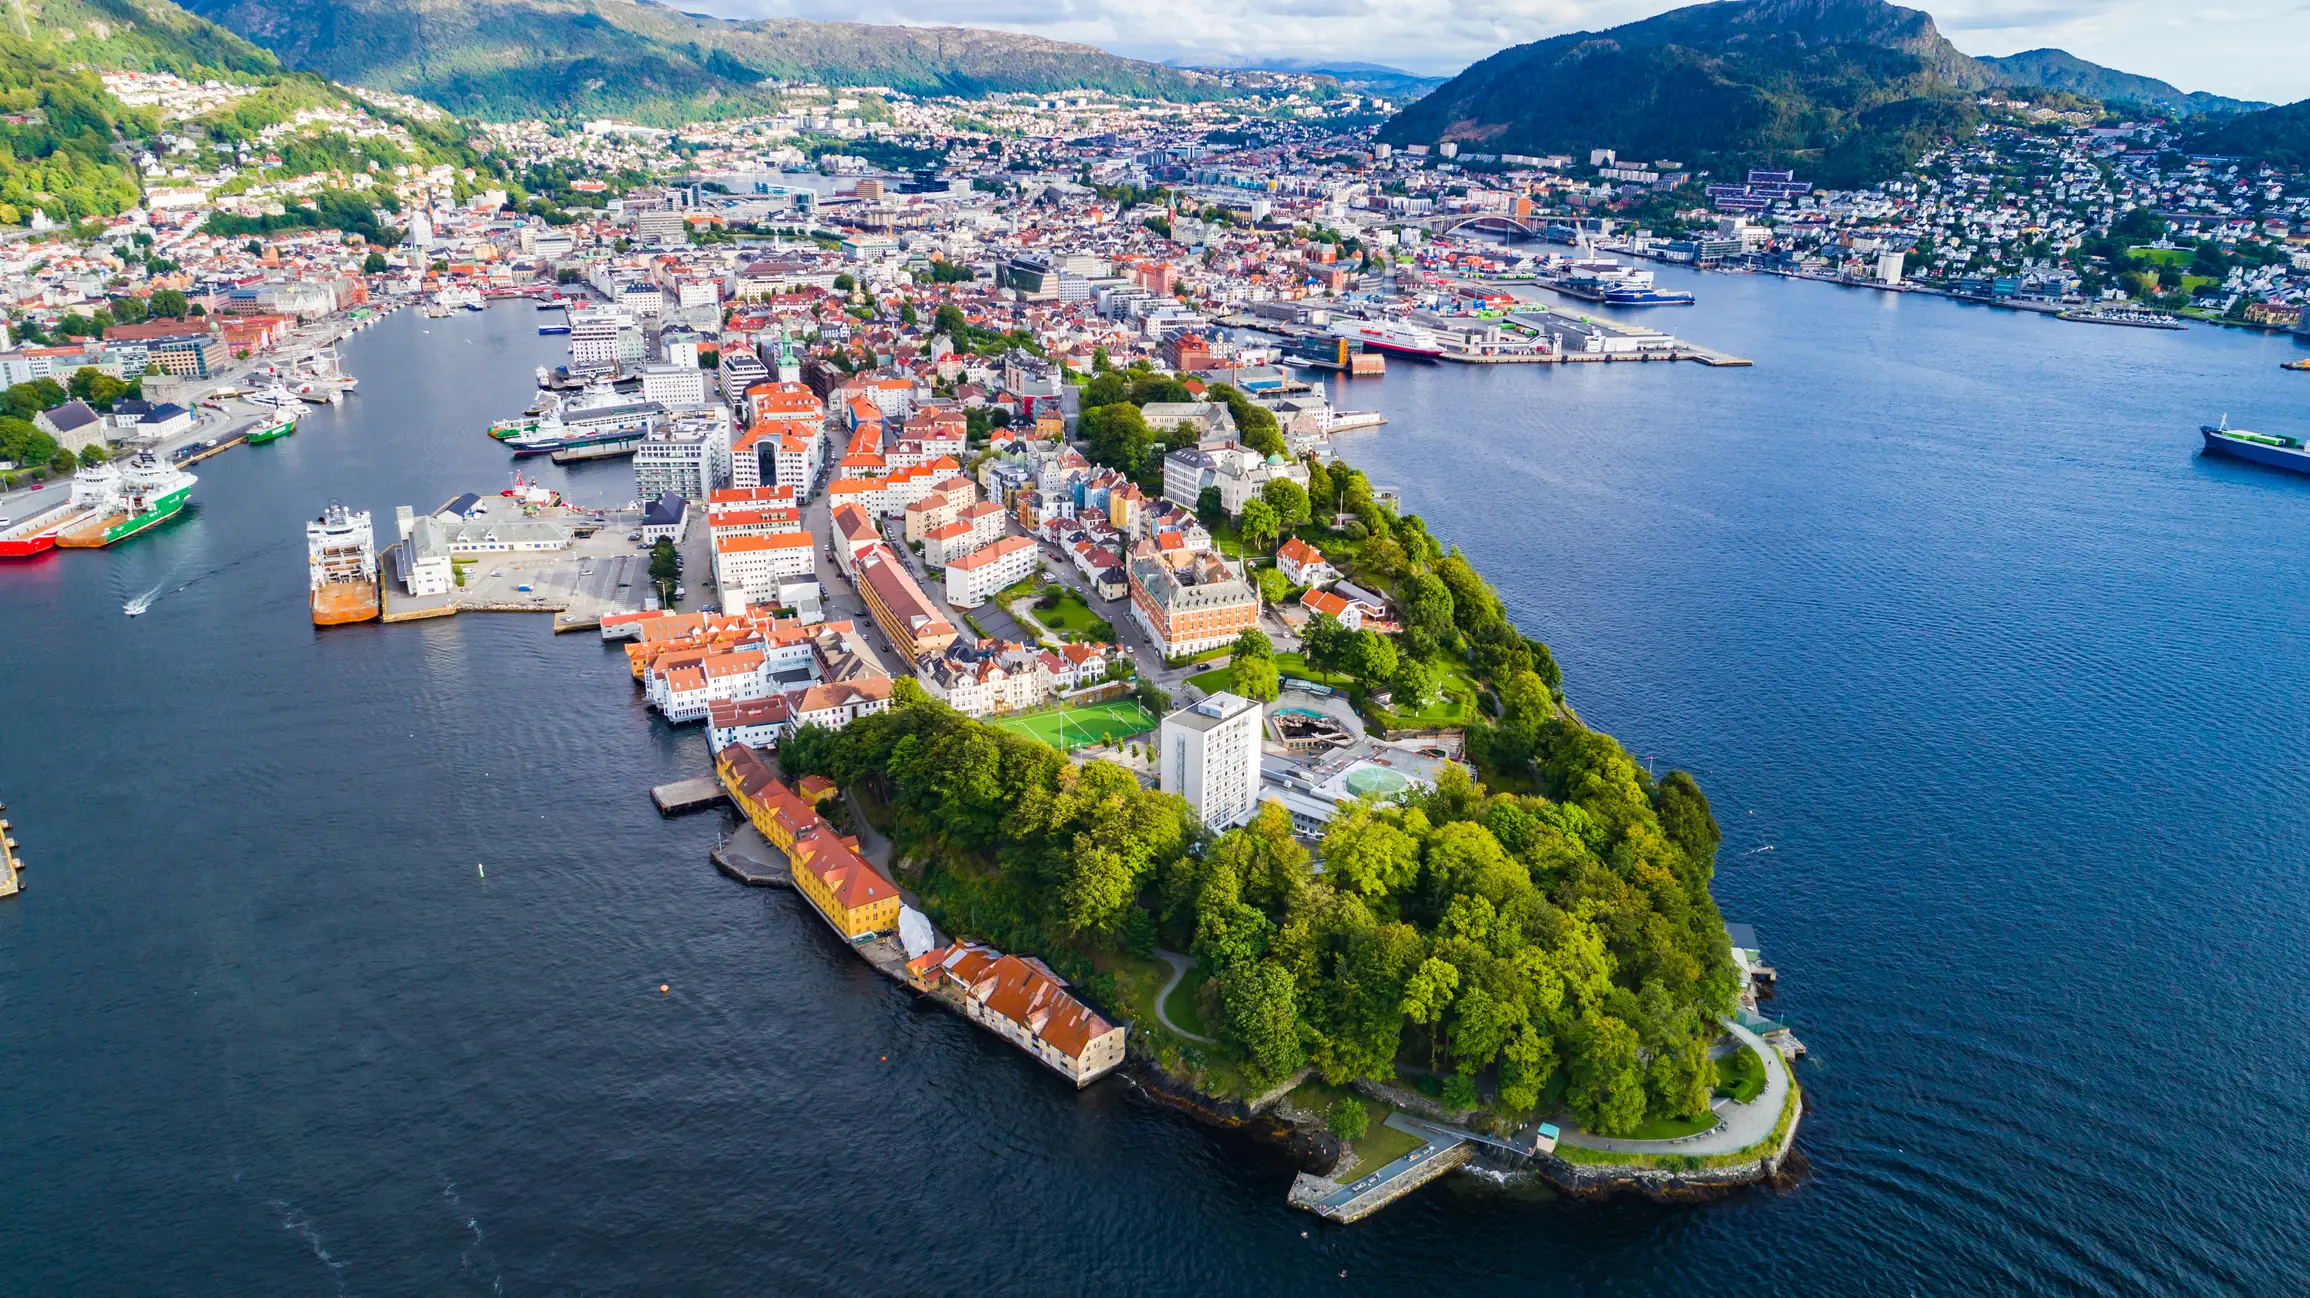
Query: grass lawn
point(2163, 256)
point(1181, 1006)
point(1073, 728)
point(1137, 979)
point(1296, 666)
point(1213, 681)
point(1381, 1144)
point(1740, 1075)
point(1071, 614)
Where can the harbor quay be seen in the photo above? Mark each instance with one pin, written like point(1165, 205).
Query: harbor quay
point(502, 554)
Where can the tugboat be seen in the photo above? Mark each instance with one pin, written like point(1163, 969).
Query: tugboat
point(2261, 448)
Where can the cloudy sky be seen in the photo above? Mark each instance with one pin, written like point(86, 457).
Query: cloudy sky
point(2252, 49)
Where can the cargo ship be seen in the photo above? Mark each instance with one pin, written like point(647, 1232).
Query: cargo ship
point(280, 424)
point(35, 533)
point(2260, 448)
point(142, 495)
point(341, 553)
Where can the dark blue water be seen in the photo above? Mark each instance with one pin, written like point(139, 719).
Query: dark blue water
point(1941, 603)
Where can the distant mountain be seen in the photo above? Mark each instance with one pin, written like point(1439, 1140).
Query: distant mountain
point(635, 58)
point(2280, 135)
point(1846, 90)
point(2061, 70)
point(1365, 78)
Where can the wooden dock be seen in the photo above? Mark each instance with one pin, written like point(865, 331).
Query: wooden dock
point(687, 795)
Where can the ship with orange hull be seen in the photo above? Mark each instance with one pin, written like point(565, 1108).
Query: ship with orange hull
point(341, 556)
point(123, 500)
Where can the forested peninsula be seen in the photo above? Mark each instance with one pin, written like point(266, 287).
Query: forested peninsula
point(1532, 939)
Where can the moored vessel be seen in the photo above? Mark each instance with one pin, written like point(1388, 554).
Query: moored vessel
point(280, 424)
point(137, 497)
point(35, 533)
point(341, 554)
point(2260, 448)
point(1396, 336)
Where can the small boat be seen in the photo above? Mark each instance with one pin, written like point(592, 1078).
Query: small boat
point(2295, 365)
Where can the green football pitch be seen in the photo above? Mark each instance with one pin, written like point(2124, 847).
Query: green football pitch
point(1074, 728)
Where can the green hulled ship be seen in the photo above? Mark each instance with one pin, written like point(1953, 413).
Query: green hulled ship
point(280, 425)
point(147, 493)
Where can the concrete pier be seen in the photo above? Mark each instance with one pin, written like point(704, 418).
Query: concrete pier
point(687, 795)
point(748, 857)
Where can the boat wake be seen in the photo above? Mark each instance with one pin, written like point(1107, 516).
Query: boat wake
point(1758, 851)
point(135, 607)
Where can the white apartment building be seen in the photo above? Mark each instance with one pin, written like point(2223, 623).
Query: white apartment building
point(969, 530)
point(974, 578)
point(1210, 756)
point(688, 455)
point(749, 569)
point(674, 385)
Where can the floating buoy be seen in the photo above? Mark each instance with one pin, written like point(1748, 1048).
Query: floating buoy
point(663, 989)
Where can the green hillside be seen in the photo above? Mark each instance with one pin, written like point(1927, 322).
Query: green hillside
point(57, 149)
point(1833, 87)
point(516, 58)
point(1846, 91)
point(2061, 70)
point(2280, 135)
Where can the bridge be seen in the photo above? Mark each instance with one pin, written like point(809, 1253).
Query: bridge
point(1487, 222)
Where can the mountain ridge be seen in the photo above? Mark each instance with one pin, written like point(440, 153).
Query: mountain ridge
point(2055, 69)
point(1848, 91)
point(517, 58)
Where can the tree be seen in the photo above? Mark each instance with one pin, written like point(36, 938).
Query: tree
point(1257, 679)
point(1288, 499)
point(1428, 995)
point(94, 453)
point(1253, 643)
point(1348, 1119)
point(1372, 658)
point(1324, 642)
point(1369, 853)
point(1209, 506)
point(168, 303)
point(1117, 436)
point(127, 310)
point(1603, 1084)
point(1427, 603)
point(375, 264)
point(1273, 585)
point(843, 283)
point(1414, 682)
point(1258, 527)
point(1263, 1017)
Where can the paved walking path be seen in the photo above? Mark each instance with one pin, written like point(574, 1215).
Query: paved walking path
point(1179, 966)
point(1738, 1125)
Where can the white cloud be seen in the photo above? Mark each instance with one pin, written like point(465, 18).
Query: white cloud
point(2250, 49)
